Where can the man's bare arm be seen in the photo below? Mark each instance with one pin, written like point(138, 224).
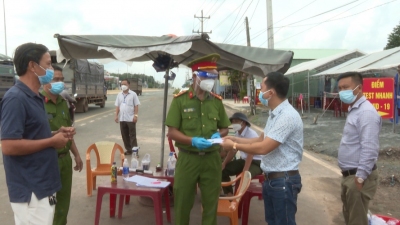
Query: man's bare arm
point(178, 136)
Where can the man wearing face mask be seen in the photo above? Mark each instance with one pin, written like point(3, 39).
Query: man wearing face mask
point(247, 162)
point(58, 115)
point(358, 149)
point(282, 147)
point(194, 116)
point(28, 144)
point(127, 109)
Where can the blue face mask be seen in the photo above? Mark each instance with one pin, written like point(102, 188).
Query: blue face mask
point(47, 77)
point(263, 100)
point(57, 87)
point(347, 96)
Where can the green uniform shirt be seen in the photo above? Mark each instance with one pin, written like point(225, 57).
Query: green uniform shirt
point(196, 118)
point(58, 115)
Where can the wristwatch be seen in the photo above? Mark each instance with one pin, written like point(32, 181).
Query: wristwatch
point(136, 115)
point(360, 180)
point(234, 146)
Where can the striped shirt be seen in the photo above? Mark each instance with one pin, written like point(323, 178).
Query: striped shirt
point(285, 126)
point(359, 147)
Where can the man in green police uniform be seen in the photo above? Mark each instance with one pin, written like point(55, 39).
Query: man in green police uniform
point(195, 116)
point(58, 115)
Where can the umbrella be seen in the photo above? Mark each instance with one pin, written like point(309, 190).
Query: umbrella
point(183, 49)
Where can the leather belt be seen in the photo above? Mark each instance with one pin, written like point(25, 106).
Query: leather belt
point(194, 153)
point(62, 155)
point(354, 171)
point(274, 175)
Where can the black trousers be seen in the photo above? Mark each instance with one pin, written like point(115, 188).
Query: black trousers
point(128, 133)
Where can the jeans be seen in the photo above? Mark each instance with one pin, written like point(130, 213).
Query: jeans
point(280, 199)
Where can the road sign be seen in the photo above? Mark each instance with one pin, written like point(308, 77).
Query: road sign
point(380, 92)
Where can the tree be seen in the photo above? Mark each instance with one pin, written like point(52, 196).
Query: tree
point(239, 79)
point(394, 38)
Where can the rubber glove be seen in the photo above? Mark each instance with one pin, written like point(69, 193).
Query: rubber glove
point(216, 135)
point(200, 143)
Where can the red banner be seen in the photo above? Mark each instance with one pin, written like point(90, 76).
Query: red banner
point(380, 92)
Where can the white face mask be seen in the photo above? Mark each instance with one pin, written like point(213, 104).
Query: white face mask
point(124, 87)
point(207, 85)
point(236, 126)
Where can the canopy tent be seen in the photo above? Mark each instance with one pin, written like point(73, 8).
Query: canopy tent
point(128, 48)
point(383, 63)
point(300, 74)
point(5, 58)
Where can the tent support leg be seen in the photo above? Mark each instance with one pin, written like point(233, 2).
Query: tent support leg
point(163, 117)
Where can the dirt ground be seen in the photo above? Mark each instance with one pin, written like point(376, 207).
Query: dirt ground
point(324, 137)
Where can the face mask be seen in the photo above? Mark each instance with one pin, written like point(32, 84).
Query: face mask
point(236, 126)
point(347, 96)
point(262, 100)
point(57, 87)
point(47, 77)
point(207, 85)
point(124, 87)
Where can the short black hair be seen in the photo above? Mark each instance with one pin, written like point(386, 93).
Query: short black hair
point(356, 77)
point(55, 67)
point(278, 82)
point(126, 81)
point(28, 52)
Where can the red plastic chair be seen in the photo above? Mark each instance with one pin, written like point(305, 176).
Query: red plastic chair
point(245, 99)
point(337, 111)
point(255, 189)
point(387, 218)
point(260, 179)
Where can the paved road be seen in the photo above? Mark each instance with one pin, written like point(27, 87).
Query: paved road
point(319, 201)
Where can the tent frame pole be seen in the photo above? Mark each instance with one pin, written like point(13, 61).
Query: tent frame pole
point(308, 96)
point(164, 113)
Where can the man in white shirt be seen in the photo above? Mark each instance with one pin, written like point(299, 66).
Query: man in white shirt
point(127, 108)
point(247, 162)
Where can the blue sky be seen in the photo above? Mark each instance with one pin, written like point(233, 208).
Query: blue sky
point(37, 21)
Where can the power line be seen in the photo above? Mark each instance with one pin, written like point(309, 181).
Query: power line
point(213, 5)
point(218, 7)
point(229, 15)
point(302, 25)
point(323, 13)
point(201, 5)
point(336, 19)
point(238, 20)
point(294, 12)
point(238, 31)
point(254, 11)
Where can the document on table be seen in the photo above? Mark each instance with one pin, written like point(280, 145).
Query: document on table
point(216, 140)
point(147, 182)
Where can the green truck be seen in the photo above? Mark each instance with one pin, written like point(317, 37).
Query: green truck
point(7, 74)
point(84, 81)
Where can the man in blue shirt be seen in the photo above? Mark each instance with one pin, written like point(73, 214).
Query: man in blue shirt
point(28, 145)
point(282, 147)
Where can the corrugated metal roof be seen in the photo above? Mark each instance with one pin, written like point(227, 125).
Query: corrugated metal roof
point(325, 62)
point(313, 53)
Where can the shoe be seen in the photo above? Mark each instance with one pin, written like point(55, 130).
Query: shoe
point(128, 153)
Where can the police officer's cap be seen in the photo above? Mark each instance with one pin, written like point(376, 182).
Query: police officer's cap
point(240, 116)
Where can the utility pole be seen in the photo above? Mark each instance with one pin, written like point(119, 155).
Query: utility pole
point(270, 25)
point(201, 18)
point(5, 30)
point(250, 79)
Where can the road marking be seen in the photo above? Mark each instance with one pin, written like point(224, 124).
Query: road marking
point(95, 115)
point(83, 124)
point(312, 158)
point(91, 121)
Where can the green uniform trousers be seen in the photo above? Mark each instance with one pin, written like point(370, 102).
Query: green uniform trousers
point(235, 167)
point(355, 202)
point(64, 195)
point(191, 170)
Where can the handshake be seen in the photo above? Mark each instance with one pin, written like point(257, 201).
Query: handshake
point(202, 143)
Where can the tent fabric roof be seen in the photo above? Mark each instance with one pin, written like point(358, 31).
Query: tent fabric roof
point(325, 63)
point(385, 62)
point(5, 58)
point(258, 61)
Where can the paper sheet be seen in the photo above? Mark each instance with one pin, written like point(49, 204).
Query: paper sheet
point(216, 140)
point(147, 182)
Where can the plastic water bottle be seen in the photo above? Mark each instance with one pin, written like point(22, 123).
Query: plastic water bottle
point(134, 162)
point(125, 169)
point(146, 162)
point(136, 150)
point(114, 173)
point(171, 164)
